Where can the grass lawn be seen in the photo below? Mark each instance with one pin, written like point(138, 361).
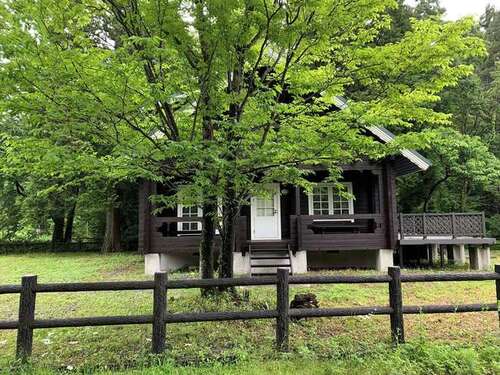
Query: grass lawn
point(439, 344)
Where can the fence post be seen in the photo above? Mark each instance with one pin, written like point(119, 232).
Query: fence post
point(282, 301)
point(159, 311)
point(396, 303)
point(497, 282)
point(26, 317)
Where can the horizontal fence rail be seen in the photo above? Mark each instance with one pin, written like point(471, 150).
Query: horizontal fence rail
point(442, 224)
point(29, 288)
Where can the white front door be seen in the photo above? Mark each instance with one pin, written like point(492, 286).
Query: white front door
point(266, 216)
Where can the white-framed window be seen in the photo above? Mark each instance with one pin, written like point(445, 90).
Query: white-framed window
point(189, 211)
point(326, 200)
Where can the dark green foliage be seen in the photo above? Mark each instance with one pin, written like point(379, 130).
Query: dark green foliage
point(464, 176)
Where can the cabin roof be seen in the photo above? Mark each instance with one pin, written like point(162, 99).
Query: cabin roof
point(413, 160)
point(409, 161)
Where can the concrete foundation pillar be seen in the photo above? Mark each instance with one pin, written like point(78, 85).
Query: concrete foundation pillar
point(385, 259)
point(299, 262)
point(241, 264)
point(435, 253)
point(152, 264)
point(479, 258)
point(459, 254)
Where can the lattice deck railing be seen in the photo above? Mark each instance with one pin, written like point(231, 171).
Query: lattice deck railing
point(449, 224)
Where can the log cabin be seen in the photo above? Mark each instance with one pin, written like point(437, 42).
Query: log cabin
point(322, 229)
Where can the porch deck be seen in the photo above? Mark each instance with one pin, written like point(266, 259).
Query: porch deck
point(443, 229)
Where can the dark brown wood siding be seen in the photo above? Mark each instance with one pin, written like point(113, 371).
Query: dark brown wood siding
point(375, 201)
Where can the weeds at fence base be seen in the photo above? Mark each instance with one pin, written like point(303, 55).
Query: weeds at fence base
point(417, 357)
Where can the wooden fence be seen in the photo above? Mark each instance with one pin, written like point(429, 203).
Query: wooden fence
point(29, 288)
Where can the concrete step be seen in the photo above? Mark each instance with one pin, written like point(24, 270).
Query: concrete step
point(267, 262)
point(269, 249)
point(261, 271)
point(269, 255)
point(269, 245)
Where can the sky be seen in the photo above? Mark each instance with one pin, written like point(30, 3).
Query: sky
point(460, 8)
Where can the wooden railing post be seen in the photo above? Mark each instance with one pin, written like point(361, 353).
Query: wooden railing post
point(453, 226)
point(282, 301)
point(26, 317)
point(159, 311)
point(483, 225)
point(396, 303)
point(401, 227)
point(497, 282)
point(424, 226)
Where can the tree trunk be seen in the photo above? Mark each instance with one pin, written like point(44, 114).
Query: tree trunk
point(204, 109)
point(207, 243)
point(58, 229)
point(432, 190)
point(112, 235)
point(230, 210)
point(70, 219)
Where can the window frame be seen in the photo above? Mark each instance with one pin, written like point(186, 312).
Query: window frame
point(199, 224)
point(331, 191)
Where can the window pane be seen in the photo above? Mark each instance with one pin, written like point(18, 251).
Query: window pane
point(189, 211)
point(340, 204)
point(265, 211)
point(320, 200)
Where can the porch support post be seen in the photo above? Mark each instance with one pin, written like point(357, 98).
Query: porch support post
point(297, 200)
